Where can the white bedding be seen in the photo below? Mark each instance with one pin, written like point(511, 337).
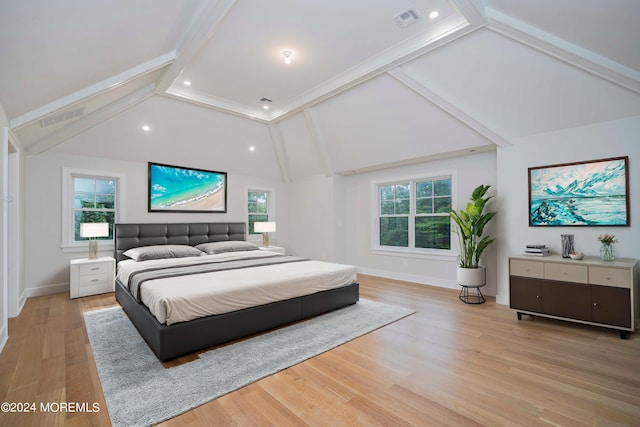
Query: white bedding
point(184, 298)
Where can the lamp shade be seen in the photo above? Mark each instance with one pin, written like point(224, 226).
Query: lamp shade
point(264, 227)
point(94, 229)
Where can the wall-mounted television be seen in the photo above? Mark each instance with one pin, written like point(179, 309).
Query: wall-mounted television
point(181, 189)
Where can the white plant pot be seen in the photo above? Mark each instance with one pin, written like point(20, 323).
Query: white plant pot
point(472, 277)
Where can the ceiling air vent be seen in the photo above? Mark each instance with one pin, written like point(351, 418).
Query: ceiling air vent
point(61, 117)
point(406, 18)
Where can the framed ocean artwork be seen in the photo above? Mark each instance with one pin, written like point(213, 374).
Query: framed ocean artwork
point(589, 193)
point(180, 189)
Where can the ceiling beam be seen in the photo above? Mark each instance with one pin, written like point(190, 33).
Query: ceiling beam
point(383, 62)
point(90, 120)
point(448, 107)
point(281, 153)
point(563, 50)
point(93, 90)
point(195, 39)
point(318, 141)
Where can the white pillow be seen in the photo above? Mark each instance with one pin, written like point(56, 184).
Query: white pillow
point(226, 246)
point(145, 253)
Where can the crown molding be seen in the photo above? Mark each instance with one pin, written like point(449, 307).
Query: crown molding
point(195, 39)
point(315, 131)
point(561, 49)
point(216, 103)
point(91, 120)
point(442, 32)
point(93, 90)
point(449, 108)
point(277, 138)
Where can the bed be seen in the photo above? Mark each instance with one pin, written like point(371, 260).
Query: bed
point(176, 336)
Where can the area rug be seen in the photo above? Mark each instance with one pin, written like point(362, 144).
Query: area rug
point(140, 391)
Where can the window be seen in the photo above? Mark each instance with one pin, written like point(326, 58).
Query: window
point(414, 213)
point(89, 196)
point(94, 200)
point(260, 208)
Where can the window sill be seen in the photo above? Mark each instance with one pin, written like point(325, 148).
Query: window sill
point(408, 253)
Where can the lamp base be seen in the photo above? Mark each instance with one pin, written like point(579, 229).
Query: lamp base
point(265, 240)
point(93, 249)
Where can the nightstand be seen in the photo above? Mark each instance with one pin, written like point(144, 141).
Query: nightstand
point(92, 276)
point(278, 249)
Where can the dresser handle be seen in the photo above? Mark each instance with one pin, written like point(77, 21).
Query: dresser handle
point(595, 304)
point(95, 280)
point(608, 278)
point(95, 268)
point(538, 297)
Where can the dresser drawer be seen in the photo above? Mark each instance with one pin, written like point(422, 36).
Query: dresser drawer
point(523, 268)
point(566, 272)
point(617, 277)
point(94, 268)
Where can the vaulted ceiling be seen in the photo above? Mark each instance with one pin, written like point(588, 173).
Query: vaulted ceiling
point(370, 83)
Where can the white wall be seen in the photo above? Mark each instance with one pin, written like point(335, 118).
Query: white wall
point(471, 171)
point(311, 218)
point(47, 267)
point(602, 140)
point(4, 134)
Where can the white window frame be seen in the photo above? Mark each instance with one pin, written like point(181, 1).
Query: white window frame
point(271, 210)
point(411, 250)
point(68, 243)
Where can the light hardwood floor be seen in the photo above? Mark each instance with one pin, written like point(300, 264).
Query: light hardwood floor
point(448, 364)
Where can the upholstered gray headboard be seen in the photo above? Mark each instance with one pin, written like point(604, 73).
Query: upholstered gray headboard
point(127, 236)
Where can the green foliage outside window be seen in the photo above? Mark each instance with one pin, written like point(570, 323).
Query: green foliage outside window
point(257, 208)
point(394, 231)
point(422, 204)
point(94, 201)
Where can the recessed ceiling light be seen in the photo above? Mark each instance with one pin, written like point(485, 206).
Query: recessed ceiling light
point(434, 14)
point(187, 83)
point(265, 103)
point(146, 128)
point(287, 54)
point(252, 148)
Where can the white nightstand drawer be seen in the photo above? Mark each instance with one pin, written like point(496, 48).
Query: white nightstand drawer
point(94, 268)
point(278, 249)
point(91, 276)
point(94, 279)
point(94, 289)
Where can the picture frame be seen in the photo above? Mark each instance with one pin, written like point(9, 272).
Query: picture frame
point(587, 193)
point(182, 189)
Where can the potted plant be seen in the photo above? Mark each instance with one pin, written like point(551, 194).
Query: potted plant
point(470, 223)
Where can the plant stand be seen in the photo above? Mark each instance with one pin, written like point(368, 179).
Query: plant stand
point(471, 298)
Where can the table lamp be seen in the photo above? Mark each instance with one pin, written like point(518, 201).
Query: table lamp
point(265, 228)
point(92, 230)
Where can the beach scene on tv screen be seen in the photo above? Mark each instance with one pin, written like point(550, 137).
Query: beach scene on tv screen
point(174, 188)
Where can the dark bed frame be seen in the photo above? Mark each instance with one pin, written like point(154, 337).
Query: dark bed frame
point(169, 342)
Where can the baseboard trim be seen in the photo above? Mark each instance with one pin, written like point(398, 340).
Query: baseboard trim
point(422, 280)
point(56, 288)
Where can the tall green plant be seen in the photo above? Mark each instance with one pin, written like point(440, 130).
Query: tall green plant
point(470, 223)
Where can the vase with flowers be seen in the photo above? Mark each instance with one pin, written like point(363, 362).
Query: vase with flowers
point(607, 253)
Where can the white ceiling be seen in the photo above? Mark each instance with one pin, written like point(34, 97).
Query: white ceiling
point(361, 92)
